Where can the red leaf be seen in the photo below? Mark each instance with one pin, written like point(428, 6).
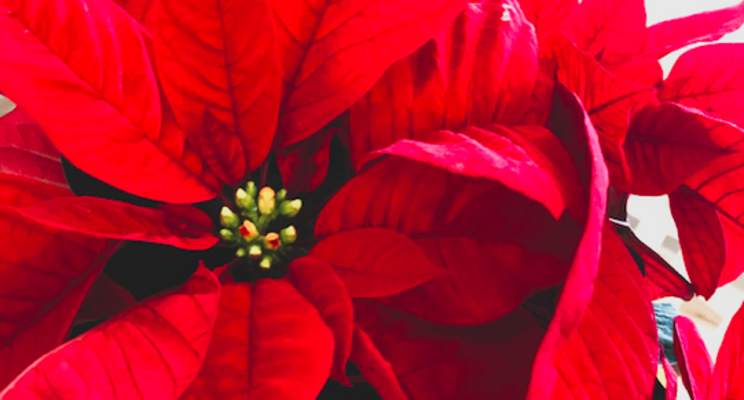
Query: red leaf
point(153, 350)
point(667, 36)
point(644, 70)
point(435, 362)
point(222, 150)
point(480, 154)
point(221, 56)
point(315, 280)
point(138, 9)
point(334, 52)
point(304, 165)
point(611, 31)
point(480, 70)
point(375, 368)
point(671, 379)
point(693, 358)
point(710, 78)
point(268, 343)
point(104, 299)
point(81, 69)
point(662, 280)
point(571, 124)
point(547, 16)
point(455, 220)
point(374, 262)
point(701, 238)
point(668, 143)
point(726, 381)
point(614, 352)
point(610, 102)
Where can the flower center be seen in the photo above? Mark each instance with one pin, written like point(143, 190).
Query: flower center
point(247, 228)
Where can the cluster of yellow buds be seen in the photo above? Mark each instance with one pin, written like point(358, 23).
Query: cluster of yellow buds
point(248, 229)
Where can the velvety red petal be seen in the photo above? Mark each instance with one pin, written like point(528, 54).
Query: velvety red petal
point(611, 31)
point(614, 352)
point(727, 381)
point(152, 351)
point(480, 70)
point(693, 359)
point(104, 299)
point(547, 16)
point(709, 78)
point(701, 238)
point(136, 8)
point(435, 362)
point(572, 125)
point(609, 101)
point(375, 368)
point(268, 343)
point(662, 280)
point(334, 52)
point(667, 144)
point(82, 69)
point(645, 70)
point(318, 283)
point(222, 57)
point(666, 36)
point(304, 165)
point(671, 379)
point(452, 217)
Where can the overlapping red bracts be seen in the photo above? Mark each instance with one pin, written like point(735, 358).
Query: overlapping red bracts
point(480, 195)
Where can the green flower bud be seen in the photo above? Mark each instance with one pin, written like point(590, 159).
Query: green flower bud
point(288, 235)
point(281, 195)
point(228, 219)
point(244, 201)
point(290, 208)
point(255, 252)
point(250, 189)
point(265, 262)
point(227, 235)
point(266, 200)
point(240, 252)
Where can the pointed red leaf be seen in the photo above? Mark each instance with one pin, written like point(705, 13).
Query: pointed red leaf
point(701, 238)
point(614, 352)
point(448, 210)
point(662, 280)
point(609, 101)
point(693, 359)
point(480, 153)
point(671, 379)
point(490, 361)
point(572, 125)
point(268, 343)
point(374, 262)
point(726, 381)
point(611, 31)
point(304, 165)
point(315, 280)
point(668, 143)
point(222, 57)
point(480, 70)
point(152, 351)
point(375, 368)
point(185, 227)
point(81, 68)
point(138, 9)
point(104, 299)
point(710, 78)
point(222, 150)
point(334, 52)
point(667, 36)
point(644, 70)
point(547, 16)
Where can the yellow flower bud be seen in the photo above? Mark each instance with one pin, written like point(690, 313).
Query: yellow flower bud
point(228, 219)
point(272, 241)
point(266, 200)
point(248, 230)
point(288, 235)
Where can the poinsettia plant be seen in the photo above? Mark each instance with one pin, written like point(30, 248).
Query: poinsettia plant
point(265, 199)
